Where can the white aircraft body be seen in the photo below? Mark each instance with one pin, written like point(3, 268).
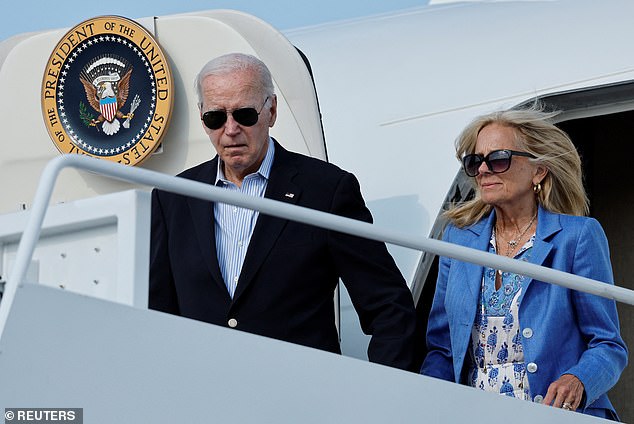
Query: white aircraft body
point(387, 97)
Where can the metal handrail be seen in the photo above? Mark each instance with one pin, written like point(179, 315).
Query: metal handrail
point(279, 209)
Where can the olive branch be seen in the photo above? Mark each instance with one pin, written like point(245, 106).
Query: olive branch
point(85, 115)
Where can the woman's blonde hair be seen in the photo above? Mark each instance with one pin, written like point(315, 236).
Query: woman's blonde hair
point(561, 189)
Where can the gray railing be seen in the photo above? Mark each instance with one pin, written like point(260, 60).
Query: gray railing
point(271, 207)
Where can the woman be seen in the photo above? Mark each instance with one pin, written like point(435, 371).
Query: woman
point(507, 333)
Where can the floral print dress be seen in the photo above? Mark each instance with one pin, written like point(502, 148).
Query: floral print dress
point(496, 340)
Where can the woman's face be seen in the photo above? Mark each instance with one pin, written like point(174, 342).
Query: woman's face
point(514, 187)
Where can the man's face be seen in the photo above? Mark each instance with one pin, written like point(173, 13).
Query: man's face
point(241, 148)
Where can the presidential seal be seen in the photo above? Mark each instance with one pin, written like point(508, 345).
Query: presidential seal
point(107, 91)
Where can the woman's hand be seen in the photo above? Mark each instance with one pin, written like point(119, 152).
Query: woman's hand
point(565, 393)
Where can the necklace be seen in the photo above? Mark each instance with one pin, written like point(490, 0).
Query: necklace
point(512, 244)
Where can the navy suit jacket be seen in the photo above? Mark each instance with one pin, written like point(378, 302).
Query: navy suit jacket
point(573, 332)
point(286, 287)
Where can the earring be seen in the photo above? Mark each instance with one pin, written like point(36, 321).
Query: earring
point(537, 188)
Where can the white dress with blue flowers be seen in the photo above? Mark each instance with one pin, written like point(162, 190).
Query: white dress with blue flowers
point(496, 341)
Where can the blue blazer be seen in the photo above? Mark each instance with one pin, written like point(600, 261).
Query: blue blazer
point(572, 332)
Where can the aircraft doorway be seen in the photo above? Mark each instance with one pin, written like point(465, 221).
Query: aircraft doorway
point(604, 143)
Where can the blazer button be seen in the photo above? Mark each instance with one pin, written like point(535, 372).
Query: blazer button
point(531, 367)
point(538, 399)
point(527, 332)
point(233, 323)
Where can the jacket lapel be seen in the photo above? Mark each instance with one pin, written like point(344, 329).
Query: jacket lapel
point(268, 229)
point(202, 214)
point(547, 225)
point(477, 237)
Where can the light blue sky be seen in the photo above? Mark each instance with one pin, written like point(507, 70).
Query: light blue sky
point(19, 16)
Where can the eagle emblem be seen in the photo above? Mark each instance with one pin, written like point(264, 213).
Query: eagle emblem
point(106, 81)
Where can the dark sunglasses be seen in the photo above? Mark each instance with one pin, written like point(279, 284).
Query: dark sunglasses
point(497, 161)
point(247, 116)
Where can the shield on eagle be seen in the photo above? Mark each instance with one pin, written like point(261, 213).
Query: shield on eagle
point(108, 107)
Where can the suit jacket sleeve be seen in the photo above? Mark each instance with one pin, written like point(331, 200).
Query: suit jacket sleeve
point(162, 296)
point(376, 287)
point(601, 364)
point(439, 360)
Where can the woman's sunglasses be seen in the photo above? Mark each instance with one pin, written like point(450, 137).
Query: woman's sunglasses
point(497, 161)
point(247, 116)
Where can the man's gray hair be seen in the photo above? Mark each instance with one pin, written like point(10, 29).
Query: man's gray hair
point(232, 62)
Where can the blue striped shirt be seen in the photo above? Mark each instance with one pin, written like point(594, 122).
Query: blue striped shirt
point(234, 226)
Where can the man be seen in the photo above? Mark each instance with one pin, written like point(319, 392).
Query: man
point(234, 267)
